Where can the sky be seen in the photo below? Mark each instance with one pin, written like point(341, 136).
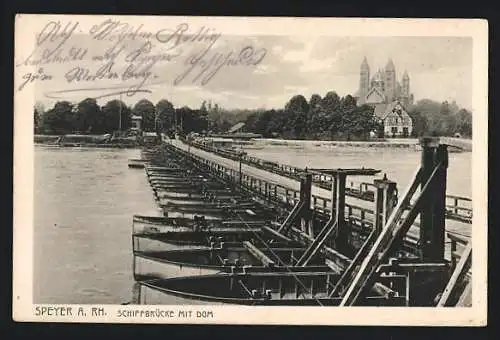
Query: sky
point(440, 68)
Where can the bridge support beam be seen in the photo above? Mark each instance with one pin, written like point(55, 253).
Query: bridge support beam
point(385, 200)
point(432, 217)
point(338, 202)
point(306, 221)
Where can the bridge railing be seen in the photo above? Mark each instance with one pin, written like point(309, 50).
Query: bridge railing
point(458, 208)
point(357, 216)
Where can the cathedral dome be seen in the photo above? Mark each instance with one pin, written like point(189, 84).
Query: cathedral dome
point(378, 77)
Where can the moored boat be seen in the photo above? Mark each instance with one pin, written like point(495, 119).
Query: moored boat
point(203, 260)
point(295, 286)
point(188, 236)
point(136, 163)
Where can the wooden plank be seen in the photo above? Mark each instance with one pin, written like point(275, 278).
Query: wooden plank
point(384, 241)
point(276, 234)
point(318, 242)
point(349, 172)
point(458, 238)
point(408, 267)
point(292, 217)
point(266, 261)
point(334, 266)
point(451, 290)
point(350, 271)
point(378, 288)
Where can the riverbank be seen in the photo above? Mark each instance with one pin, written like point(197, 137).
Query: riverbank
point(87, 141)
point(90, 145)
point(409, 143)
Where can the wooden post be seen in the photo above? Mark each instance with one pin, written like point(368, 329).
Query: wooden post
point(334, 197)
point(305, 197)
point(384, 201)
point(390, 199)
point(429, 147)
point(341, 237)
point(378, 209)
point(240, 158)
point(437, 234)
point(432, 226)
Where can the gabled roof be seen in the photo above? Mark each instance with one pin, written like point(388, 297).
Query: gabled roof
point(377, 91)
point(383, 110)
point(392, 105)
point(380, 110)
point(236, 127)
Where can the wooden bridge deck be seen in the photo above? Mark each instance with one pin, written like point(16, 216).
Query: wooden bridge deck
point(274, 178)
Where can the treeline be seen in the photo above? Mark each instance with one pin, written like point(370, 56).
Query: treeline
point(440, 119)
point(88, 117)
point(333, 117)
point(330, 117)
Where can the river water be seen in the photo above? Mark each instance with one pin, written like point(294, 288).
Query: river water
point(84, 202)
point(85, 199)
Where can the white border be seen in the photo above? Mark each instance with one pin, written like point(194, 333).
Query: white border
point(23, 308)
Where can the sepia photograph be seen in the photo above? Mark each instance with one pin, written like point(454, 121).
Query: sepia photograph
point(217, 163)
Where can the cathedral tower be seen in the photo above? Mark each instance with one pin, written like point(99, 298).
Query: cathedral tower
point(406, 86)
point(364, 80)
point(390, 81)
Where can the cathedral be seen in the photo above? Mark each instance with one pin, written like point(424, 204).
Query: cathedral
point(388, 97)
point(383, 86)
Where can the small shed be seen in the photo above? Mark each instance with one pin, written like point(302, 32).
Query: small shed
point(136, 122)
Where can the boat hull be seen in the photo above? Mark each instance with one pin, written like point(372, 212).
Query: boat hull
point(147, 295)
point(136, 163)
point(227, 289)
point(148, 268)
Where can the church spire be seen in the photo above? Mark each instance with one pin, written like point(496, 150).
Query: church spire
point(364, 64)
point(390, 65)
point(364, 81)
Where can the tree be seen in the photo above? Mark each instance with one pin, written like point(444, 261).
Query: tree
point(420, 126)
point(297, 108)
point(362, 121)
point(463, 119)
point(146, 110)
point(166, 112)
point(192, 120)
point(330, 108)
point(313, 125)
point(224, 126)
point(36, 121)
point(110, 117)
point(58, 120)
point(350, 123)
point(434, 117)
point(88, 114)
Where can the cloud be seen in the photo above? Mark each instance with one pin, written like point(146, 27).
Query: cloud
point(438, 67)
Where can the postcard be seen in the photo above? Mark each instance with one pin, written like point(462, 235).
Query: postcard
point(250, 170)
